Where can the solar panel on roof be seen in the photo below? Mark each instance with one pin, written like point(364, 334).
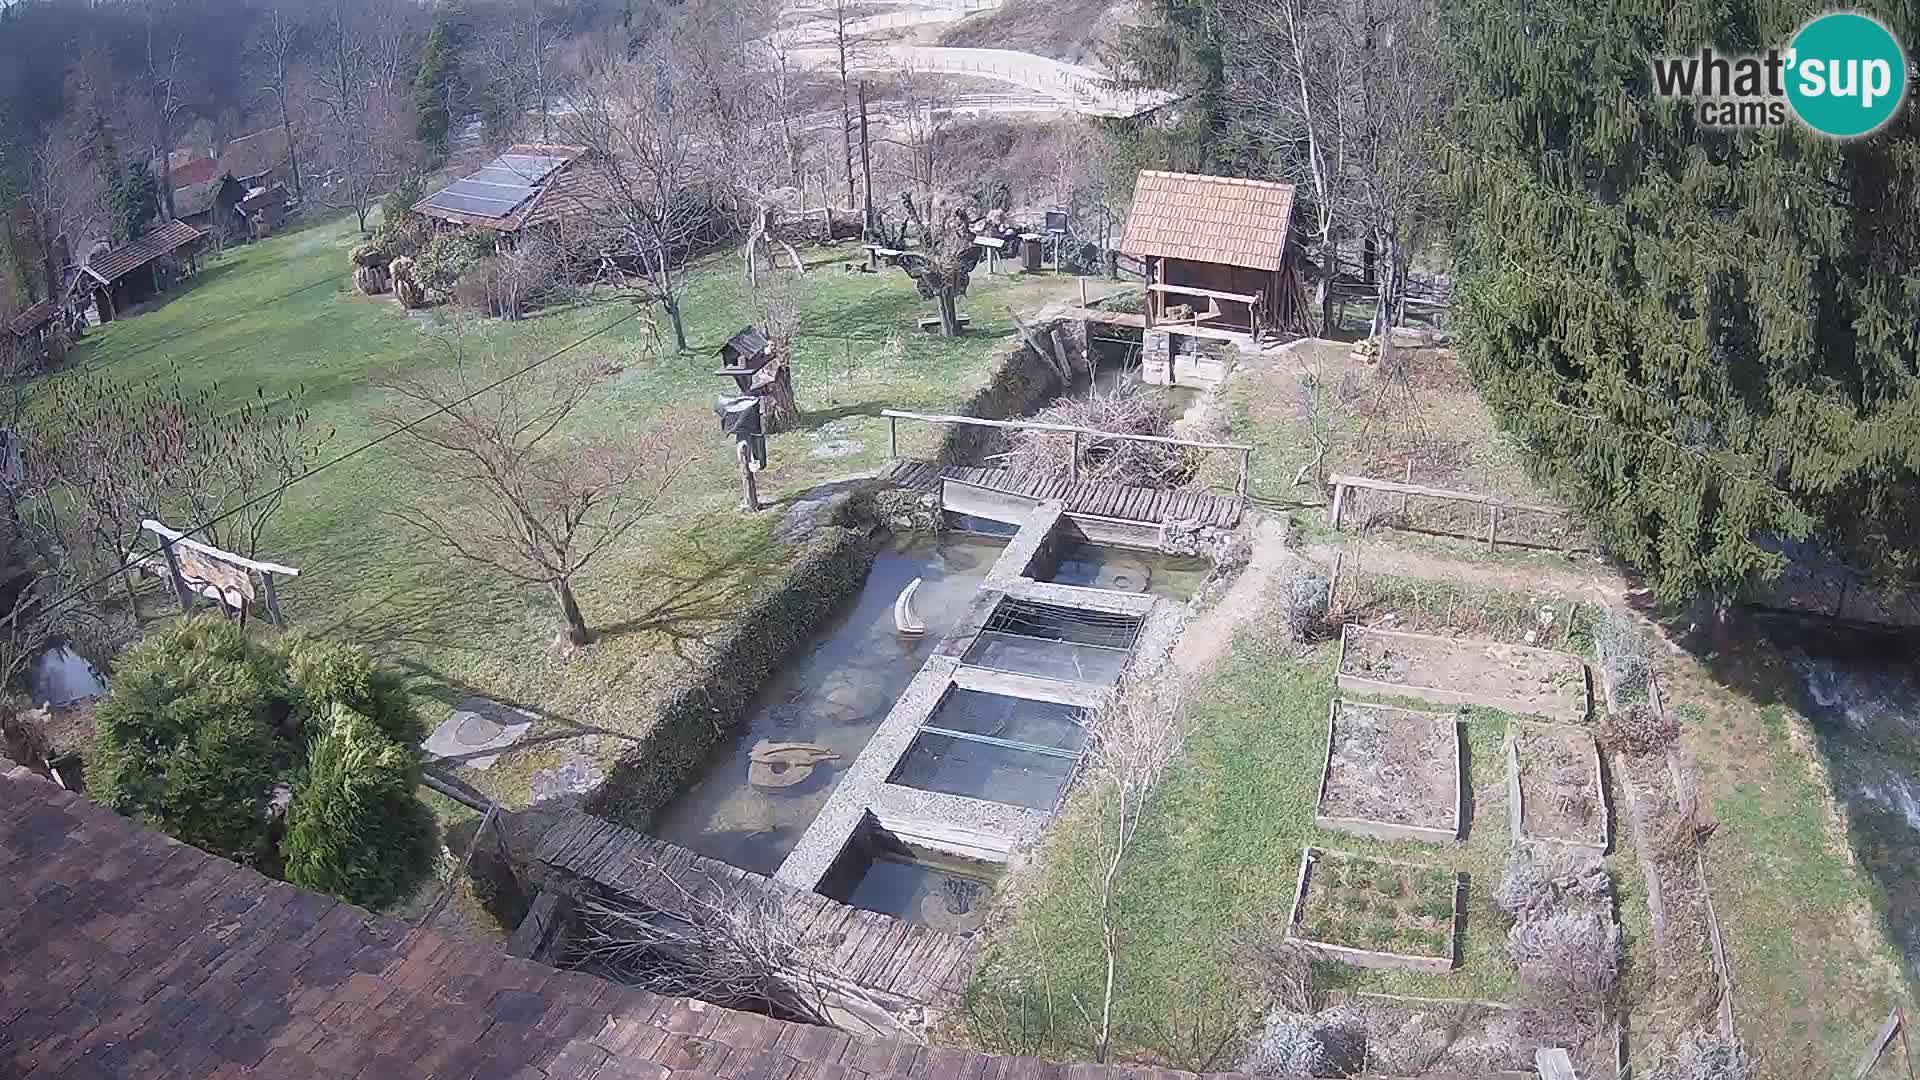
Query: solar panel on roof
point(489, 192)
point(499, 187)
point(461, 204)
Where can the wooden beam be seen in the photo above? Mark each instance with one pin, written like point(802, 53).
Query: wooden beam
point(208, 549)
point(1438, 493)
point(1211, 294)
point(1871, 1056)
point(1016, 425)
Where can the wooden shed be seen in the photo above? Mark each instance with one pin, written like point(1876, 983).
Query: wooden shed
point(1220, 248)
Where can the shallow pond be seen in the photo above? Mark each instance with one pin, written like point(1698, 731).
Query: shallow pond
point(1134, 570)
point(61, 676)
point(831, 697)
point(943, 892)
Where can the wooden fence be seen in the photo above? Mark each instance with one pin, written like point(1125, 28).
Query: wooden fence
point(1089, 436)
point(1495, 505)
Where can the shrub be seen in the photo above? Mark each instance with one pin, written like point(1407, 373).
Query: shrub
point(326, 673)
point(1540, 880)
point(397, 208)
point(1574, 955)
point(202, 725)
point(450, 254)
point(187, 738)
point(1637, 730)
point(1289, 1048)
point(355, 829)
point(1703, 1055)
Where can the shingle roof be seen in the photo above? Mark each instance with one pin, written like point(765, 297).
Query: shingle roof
point(31, 319)
point(163, 239)
point(1214, 219)
point(252, 155)
point(193, 173)
point(129, 954)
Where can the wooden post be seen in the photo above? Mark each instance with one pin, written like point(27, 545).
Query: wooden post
point(179, 583)
point(1246, 468)
point(893, 438)
point(1339, 500)
point(273, 602)
point(1074, 462)
point(1152, 297)
point(1404, 497)
point(1083, 290)
point(749, 490)
point(1493, 521)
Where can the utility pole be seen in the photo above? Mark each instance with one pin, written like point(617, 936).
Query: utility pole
point(868, 226)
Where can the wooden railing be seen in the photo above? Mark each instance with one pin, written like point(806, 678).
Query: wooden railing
point(1340, 484)
point(1090, 435)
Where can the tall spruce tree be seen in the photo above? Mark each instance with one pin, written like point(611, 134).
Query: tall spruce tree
point(437, 84)
point(1709, 340)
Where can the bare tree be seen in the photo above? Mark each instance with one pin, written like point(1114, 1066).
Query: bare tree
point(363, 99)
point(277, 45)
point(1359, 94)
point(522, 56)
point(548, 505)
point(834, 24)
point(1135, 738)
point(943, 263)
point(1292, 72)
point(723, 942)
point(647, 171)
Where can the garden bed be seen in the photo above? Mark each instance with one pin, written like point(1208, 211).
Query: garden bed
point(1374, 913)
point(1555, 790)
point(1390, 774)
point(1459, 671)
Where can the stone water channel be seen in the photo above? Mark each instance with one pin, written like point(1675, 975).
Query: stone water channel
point(950, 750)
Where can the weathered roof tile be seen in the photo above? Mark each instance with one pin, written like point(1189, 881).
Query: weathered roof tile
point(1215, 219)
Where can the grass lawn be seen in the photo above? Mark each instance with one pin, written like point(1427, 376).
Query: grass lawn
point(281, 316)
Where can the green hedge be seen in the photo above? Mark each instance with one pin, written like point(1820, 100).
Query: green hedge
point(715, 696)
point(356, 828)
point(203, 725)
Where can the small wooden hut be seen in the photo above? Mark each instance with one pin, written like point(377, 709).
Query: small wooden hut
point(1220, 252)
point(113, 279)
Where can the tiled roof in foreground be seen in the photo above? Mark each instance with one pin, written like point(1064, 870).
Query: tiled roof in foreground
point(131, 955)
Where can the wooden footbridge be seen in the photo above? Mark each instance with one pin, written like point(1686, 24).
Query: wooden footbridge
point(1148, 506)
point(879, 956)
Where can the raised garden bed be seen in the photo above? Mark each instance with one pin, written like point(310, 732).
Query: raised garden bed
point(1460, 671)
point(1555, 791)
point(1374, 913)
point(1390, 774)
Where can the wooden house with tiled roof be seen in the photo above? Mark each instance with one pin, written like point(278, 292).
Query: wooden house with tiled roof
point(1221, 253)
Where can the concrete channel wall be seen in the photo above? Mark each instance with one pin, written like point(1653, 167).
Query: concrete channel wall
point(952, 824)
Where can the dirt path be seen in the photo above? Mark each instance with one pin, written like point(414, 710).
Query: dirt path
point(1385, 557)
point(1208, 636)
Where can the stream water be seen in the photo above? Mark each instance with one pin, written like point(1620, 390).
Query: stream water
point(1111, 375)
point(832, 696)
point(1134, 570)
point(61, 676)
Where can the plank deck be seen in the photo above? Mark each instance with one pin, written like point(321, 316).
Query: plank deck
point(864, 946)
point(1144, 505)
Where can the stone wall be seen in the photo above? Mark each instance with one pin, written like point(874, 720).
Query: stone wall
point(1022, 383)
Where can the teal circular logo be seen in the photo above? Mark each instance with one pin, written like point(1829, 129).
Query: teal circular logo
point(1846, 74)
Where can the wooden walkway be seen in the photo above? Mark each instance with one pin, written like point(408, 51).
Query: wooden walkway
point(872, 951)
point(1149, 505)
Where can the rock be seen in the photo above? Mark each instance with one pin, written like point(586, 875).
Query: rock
point(784, 764)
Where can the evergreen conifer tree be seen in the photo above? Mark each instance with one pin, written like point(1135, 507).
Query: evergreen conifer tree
point(1706, 338)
